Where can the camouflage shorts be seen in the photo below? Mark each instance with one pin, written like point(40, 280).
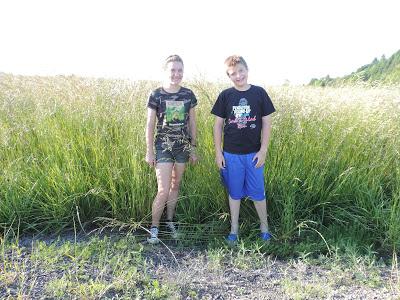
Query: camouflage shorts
point(176, 155)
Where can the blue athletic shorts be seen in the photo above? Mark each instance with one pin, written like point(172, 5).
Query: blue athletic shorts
point(242, 178)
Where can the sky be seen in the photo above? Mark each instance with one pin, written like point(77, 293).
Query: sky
point(281, 40)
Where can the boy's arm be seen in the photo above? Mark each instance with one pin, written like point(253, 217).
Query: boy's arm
point(193, 134)
point(219, 157)
point(265, 136)
point(150, 126)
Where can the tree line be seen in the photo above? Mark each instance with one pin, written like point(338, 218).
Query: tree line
point(383, 71)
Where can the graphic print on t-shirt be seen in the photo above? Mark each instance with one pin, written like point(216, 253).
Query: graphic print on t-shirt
point(175, 113)
point(242, 114)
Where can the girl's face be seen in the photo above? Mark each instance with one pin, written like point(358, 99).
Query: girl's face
point(174, 72)
point(238, 75)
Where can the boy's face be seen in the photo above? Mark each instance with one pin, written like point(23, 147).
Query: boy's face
point(174, 72)
point(238, 75)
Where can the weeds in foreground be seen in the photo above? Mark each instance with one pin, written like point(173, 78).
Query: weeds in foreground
point(121, 265)
point(90, 269)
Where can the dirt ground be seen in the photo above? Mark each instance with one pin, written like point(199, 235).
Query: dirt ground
point(200, 277)
point(233, 273)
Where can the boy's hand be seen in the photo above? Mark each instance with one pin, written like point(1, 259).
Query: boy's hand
point(260, 158)
point(150, 159)
point(220, 160)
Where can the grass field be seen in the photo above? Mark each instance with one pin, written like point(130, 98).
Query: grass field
point(72, 149)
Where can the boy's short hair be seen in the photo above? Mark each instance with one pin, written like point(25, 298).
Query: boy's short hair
point(234, 60)
point(172, 58)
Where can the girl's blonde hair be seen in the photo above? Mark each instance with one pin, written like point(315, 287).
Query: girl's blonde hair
point(172, 58)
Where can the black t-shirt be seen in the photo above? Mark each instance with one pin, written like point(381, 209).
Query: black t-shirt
point(172, 117)
point(243, 112)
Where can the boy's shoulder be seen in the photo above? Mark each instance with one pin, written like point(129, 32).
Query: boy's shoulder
point(253, 89)
point(259, 91)
point(258, 88)
point(227, 91)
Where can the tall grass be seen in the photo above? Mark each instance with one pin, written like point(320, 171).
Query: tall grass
point(334, 159)
point(73, 147)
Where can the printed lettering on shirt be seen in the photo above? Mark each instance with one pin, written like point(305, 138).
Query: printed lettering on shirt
point(242, 114)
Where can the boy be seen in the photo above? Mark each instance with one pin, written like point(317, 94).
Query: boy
point(242, 112)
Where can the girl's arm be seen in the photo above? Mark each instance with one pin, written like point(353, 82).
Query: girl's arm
point(193, 134)
point(150, 126)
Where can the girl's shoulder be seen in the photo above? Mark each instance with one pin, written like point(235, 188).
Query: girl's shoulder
point(186, 91)
point(156, 91)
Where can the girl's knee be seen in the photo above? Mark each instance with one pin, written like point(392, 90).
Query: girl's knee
point(162, 195)
point(175, 186)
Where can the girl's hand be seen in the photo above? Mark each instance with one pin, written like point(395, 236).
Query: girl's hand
point(193, 158)
point(150, 159)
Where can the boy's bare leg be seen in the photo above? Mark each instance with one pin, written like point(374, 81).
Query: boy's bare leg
point(164, 176)
point(261, 208)
point(234, 206)
point(177, 174)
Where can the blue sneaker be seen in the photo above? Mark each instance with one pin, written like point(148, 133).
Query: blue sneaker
point(232, 238)
point(265, 236)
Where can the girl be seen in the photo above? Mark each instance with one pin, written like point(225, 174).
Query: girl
point(171, 111)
